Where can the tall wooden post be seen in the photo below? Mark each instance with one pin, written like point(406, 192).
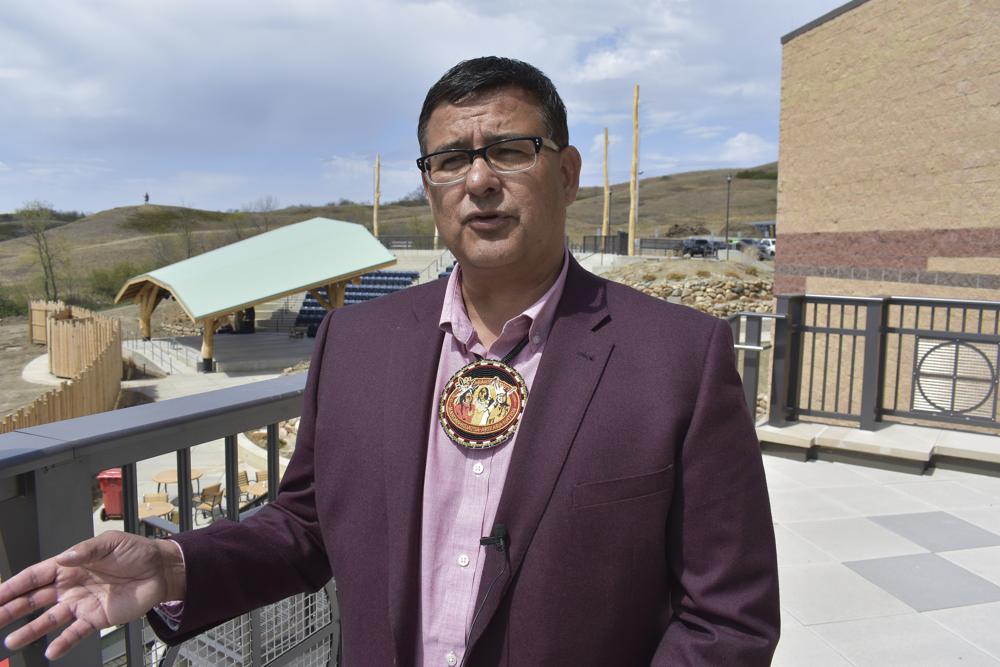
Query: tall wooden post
point(376, 197)
point(208, 345)
point(633, 188)
point(606, 219)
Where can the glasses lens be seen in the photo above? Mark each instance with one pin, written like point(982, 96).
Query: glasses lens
point(447, 167)
point(512, 155)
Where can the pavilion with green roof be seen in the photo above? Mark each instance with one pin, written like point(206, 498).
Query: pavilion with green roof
point(296, 258)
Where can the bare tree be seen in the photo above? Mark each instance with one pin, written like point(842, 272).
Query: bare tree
point(186, 234)
point(260, 213)
point(36, 217)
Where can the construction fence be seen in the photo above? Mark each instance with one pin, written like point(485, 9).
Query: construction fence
point(84, 348)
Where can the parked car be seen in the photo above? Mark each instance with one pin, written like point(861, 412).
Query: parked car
point(700, 248)
point(766, 248)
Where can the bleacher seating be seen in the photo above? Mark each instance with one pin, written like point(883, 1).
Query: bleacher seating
point(447, 272)
point(373, 285)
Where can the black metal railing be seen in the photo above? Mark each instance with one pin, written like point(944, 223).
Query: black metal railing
point(752, 339)
point(46, 478)
point(612, 244)
point(411, 242)
point(862, 359)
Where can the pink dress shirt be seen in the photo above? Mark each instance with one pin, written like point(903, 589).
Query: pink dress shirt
point(462, 486)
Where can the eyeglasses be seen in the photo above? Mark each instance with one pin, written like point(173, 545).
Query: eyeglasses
point(507, 156)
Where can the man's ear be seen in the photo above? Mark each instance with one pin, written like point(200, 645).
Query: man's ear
point(570, 164)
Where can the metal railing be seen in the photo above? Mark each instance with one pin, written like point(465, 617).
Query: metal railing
point(863, 359)
point(164, 352)
point(412, 242)
point(752, 341)
point(46, 478)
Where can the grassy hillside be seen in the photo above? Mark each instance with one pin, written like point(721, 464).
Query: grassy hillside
point(137, 238)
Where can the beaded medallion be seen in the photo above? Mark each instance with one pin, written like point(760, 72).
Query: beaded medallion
point(482, 404)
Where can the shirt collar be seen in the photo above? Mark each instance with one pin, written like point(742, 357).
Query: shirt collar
point(539, 315)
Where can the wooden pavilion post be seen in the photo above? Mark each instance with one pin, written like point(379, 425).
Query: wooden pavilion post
point(147, 299)
point(606, 218)
point(633, 211)
point(334, 295)
point(208, 345)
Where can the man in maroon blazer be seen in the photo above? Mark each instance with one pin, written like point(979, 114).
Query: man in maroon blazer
point(636, 527)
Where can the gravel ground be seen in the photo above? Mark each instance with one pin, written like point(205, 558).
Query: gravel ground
point(15, 353)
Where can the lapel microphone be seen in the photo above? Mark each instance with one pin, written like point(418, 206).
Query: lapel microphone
point(499, 538)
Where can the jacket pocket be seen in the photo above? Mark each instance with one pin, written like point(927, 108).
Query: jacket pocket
point(623, 488)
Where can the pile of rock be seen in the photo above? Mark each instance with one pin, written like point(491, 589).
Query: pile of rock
point(287, 432)
point(715, 295)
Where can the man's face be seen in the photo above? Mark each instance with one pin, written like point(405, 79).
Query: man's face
point(501, 221)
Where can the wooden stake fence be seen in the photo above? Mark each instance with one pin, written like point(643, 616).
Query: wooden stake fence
point(89, 352)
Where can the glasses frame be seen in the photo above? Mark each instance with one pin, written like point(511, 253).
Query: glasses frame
point(473, 153)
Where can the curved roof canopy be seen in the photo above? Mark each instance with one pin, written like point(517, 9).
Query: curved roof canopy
point(287, 260)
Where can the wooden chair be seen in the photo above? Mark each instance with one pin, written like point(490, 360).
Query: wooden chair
point(243, 481)
point(155, 498)
point(208, 501)
point(261, 476)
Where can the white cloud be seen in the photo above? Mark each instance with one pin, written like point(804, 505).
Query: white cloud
point(5, 167)
point(597, 145)
point(619, 64)
point(747, 148)
point(705, 131)
point(260, 91)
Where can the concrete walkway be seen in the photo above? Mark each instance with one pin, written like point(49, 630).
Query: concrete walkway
point(886, 568)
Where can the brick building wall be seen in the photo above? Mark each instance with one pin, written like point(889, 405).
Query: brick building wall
point(889, 179)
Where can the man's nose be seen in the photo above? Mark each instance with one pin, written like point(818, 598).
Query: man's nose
point(481, 177)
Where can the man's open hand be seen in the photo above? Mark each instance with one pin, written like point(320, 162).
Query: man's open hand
point(108, 580)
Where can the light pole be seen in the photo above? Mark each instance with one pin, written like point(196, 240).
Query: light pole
point(729, 185)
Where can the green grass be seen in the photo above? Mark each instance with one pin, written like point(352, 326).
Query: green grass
point(165, 220)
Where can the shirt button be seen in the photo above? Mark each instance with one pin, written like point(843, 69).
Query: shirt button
point(478, 468)
point(463, 560)
point(451, 659)
point(537, 340)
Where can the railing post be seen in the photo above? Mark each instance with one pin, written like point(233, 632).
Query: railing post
point(273, 472)
point(62, 506)
point(786, 360)
point(232, 481)
point(184, 504)
point(874, 364)
point(751, 363)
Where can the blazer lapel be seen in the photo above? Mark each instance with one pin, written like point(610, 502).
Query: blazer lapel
point(574, 359)
point(414, 360)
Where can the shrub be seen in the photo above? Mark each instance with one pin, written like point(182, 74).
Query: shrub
point(757, 174)
point(105, 283)
point(702, 273)
point(751, 270)
point(12, 303)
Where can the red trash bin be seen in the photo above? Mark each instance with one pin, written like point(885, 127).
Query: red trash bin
point(111, 488)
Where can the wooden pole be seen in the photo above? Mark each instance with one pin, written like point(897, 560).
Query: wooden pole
point(376, 197)
point(208, 345)
point(634, 181)
point(606, 220)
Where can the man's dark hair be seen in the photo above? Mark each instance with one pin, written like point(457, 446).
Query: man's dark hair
point(481, 75)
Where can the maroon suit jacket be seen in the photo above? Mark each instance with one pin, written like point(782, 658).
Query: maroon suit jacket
point(640, 530)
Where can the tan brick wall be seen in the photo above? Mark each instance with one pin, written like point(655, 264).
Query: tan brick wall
point(890, 120)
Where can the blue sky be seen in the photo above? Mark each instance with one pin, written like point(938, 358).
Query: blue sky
point(216, 104)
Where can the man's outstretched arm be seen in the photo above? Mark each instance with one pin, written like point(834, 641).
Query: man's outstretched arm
point(104, 581)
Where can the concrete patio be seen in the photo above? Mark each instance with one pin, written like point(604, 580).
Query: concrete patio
point(879, 567)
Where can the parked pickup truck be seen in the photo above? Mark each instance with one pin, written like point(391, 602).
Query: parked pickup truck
point(766, 248)
point(700, 248)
